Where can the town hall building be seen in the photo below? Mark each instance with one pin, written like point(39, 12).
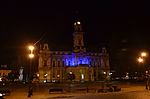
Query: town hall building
point(59, 66)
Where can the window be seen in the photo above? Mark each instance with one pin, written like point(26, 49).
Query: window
point(79, 42)
point(63, 63)
point(69, 63)
point(58, 63)
point(82, 76)
point(90, 63)
point(53, 74)
point(54, 64)
point(93, 64)
point(80, 61)
point(45, 63)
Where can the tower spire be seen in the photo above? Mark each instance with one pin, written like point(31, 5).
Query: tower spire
point(78, 37)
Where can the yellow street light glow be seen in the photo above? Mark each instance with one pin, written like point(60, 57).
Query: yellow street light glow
point(37, 75)
point(140, 59)
point(143, 54)
point(78, 22)
point(31, 55)
point(31, 47)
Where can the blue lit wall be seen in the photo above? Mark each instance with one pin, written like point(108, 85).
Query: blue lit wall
point(70, 60)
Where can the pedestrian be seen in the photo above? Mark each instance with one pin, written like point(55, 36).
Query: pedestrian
point(30, 92)
point(147, 87)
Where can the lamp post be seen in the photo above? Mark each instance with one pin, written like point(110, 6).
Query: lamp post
point(142, 59)
point(31, 56)
point(143, 56)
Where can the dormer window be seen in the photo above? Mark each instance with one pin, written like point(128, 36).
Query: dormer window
point(45, 46)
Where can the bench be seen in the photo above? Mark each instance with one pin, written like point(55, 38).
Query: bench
point(55, 90)
point(86, 89)
point(116, 88)
point(110, 89)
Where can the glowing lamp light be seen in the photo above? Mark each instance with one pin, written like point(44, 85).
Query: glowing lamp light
point(45, 81)
point(1, 94)
point(38, 75)
point(31, 55)
point(58, 76)
point(82, 76)
point(104, 72)
point(70, 72)
point(143, 54)
point(140, 59)
point(31, 47)
point(110, 73)
point(78, 22)
point(46, 75)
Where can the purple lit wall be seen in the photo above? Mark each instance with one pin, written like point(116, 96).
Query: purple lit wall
point(72, 60)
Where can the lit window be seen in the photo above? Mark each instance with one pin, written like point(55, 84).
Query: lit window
point(70, 72)
point(46, 75)
point(82, 76)
point(58, 76)
point(80, 61)
point(45, 81)
point(69, 63)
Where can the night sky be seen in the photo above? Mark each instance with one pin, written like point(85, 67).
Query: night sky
point(122, 27)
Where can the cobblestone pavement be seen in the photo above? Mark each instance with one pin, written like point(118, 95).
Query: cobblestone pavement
point(126, 95)
point(130, 92)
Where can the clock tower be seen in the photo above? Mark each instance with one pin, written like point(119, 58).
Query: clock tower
point(78, 38)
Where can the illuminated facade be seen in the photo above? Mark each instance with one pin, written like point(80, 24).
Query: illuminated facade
point(4, 71)
point(85, 66)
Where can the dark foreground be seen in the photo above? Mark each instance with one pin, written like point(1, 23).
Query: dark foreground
point(129, 91)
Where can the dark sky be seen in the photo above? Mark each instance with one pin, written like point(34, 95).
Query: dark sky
point(123, 27)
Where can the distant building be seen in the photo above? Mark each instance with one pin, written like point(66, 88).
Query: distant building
point(56, 66)
point(4, 71)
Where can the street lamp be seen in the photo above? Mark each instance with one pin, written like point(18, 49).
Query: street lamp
point(143, 54)
point(31, 48)
point(140, 60)
point(31, 56)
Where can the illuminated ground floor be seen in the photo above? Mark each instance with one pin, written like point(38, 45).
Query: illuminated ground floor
point(75, 74)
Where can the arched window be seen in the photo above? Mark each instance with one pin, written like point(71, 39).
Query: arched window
point(63, 64)
point(90, 63)
point(93, 64)
point(80, 61)
point(45, 63)
point(69, 63)
point(54, 64)
point(58, 63)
